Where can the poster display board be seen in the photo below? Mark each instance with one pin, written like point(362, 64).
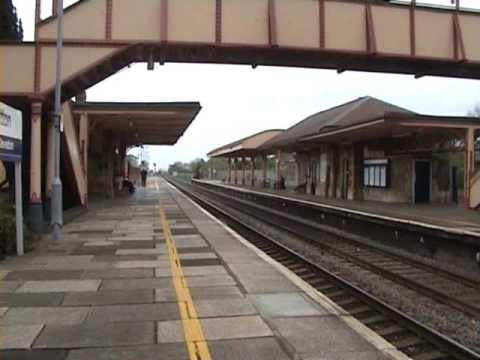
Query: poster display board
point(10, 133)
point(11, 150)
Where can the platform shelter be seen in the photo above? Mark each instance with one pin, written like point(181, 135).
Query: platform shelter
point(242, 154)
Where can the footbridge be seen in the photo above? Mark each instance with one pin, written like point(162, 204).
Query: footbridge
point(103, 36)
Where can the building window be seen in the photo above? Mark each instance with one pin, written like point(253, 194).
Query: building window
point(376, 173)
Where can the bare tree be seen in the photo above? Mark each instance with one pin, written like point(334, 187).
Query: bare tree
point(475, 112)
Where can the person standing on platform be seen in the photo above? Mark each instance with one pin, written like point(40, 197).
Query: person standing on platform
point(143, 174)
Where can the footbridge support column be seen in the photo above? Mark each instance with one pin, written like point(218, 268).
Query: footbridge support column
point(36, 205)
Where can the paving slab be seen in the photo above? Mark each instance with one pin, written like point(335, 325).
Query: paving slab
point(267, 284)
point(224, 307)
point(152, 352)
point(163, 272)
point(134, 313)
point(64, 259)
point(313, 335)
point(44, 315)
point(204, 270)
point(9, 286)
point(186, 250)
point(136, 284)
point(153, 251)
point(96, 335)
point(107, 297)
point(285, 304)
point(18, 336)
point(141, 264)
point(33, 354)
point(200, 262)
point(201, 255)
point(3, 274)
point(210, 280)
point(30, 300)
point(95, 250)
point(114, 258)
point(118, 274)
point(145, 244)
point(99, 243)
point(267, 348)
point(59, 286)
point(348, 355)
point(26, 275)
point(240, 327)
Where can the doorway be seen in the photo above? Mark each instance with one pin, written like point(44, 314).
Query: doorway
point(313, 172)
point(345, 178)
point(422, 181)
point(454, 184)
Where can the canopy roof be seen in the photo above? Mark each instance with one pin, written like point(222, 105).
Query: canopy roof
point(246, 146)
point(353, 112)
point(149, 123)
point(395, 125)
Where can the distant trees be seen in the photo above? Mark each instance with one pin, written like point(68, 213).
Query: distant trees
point(10, 25)
point(196, 168)
point(475, 111)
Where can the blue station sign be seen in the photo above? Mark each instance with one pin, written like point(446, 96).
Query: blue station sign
point(10, 133)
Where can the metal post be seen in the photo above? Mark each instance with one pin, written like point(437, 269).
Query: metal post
point(18, 207)
point(57, 201)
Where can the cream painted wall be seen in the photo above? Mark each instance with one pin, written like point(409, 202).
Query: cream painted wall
point(133, 22)
point(192, 20)
point(345, 26)
point(75, 59)
point(298, 23)
point(430, 29)
point(17, 57)
point(245, 22)
point(394, 36)
point(86, 21)
point(470, 29)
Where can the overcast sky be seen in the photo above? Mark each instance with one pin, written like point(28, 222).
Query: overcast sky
point(238, 101)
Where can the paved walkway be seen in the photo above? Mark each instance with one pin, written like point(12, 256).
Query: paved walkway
point(448, 216)
point(135, 281)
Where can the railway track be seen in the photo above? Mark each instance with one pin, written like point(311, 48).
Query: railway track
point(443, 286)
point(408, 335)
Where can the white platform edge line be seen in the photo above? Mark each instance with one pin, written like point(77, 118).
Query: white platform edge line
point(351, 211)
point(369, 335)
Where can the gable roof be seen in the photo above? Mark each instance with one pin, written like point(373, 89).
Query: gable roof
point(353, 112)
point(251, 142)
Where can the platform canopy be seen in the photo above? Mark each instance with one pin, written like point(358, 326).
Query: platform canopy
point(149, 123)
point(396, 125)
point(248, 146)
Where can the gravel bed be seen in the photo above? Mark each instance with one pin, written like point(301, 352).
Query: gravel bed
point(446, 320)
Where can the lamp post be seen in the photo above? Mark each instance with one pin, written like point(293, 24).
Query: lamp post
point(57, 198)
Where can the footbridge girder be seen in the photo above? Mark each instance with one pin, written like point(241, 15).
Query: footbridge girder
point(103, 36)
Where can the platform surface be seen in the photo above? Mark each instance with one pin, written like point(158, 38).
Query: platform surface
point(450, 217)
point(111, 289)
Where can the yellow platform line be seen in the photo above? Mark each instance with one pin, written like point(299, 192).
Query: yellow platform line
point(192, 328)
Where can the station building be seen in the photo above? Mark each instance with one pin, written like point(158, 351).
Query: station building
point(368, 149)
point(243, 157)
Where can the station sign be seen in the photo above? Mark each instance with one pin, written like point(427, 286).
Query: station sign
point(10, 133)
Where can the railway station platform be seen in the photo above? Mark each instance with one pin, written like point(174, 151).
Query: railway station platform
point(153, 276)
point(454, 219)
